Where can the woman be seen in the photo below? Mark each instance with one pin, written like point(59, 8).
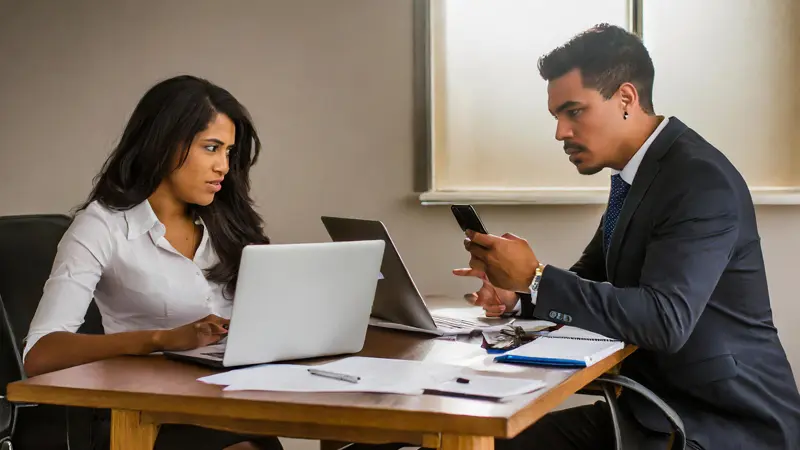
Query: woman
point(158, 243)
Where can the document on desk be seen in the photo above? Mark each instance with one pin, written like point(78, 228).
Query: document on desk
point(378, 375)
point(373, 375)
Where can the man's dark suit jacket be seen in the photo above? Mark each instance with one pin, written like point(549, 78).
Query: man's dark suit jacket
point(684, 280)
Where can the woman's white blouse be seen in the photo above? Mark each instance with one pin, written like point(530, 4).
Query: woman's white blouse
point(139, 281)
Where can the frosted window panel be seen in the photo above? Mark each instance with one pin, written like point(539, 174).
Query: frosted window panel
point(491, 127)
point(728, 68)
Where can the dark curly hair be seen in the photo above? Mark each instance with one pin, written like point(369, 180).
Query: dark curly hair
point(606, 56)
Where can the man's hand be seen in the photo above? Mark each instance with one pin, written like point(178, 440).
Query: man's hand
point(494, 301)
point(206, 331)
point(508, 261)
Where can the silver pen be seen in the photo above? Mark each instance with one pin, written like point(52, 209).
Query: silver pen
point(334, 375)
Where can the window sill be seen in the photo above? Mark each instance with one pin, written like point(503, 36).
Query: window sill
point(770, 195)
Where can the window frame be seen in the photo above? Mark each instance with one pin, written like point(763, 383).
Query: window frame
point(423, 107)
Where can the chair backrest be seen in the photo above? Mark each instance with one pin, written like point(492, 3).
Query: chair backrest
point(28, 246)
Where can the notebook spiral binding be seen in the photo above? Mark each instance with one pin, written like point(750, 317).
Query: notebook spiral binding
point(574, 338)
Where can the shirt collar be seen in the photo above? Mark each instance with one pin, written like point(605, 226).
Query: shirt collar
point(628, 173)
point(141, 219)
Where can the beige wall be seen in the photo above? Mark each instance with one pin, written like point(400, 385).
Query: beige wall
point(330, 87)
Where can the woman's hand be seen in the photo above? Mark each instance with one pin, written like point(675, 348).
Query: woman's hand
point(206, 331)
point(495, 301)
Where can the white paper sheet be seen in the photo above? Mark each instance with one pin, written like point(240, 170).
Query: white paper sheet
point(378, 375)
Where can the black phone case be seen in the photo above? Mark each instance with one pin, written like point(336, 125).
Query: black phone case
point(468, 218)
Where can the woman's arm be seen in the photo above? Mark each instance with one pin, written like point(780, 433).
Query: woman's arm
point(62, 349)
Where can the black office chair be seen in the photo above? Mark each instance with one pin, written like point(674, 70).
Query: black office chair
point(28, 246)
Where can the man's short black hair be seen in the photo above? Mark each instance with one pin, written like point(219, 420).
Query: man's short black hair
point(606, 56)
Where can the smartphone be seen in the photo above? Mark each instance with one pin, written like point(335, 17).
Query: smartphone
point(468, 219)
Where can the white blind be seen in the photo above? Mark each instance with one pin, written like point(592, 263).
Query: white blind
point(728, 68)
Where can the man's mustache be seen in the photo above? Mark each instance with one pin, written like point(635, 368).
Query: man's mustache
point(572, 147)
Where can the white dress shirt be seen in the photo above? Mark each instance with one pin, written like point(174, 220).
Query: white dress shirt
point(628, 173)
point(139, 281)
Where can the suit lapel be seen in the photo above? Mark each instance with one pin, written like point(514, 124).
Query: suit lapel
point(648, 169)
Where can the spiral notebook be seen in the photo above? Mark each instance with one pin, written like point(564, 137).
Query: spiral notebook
point(565, 347)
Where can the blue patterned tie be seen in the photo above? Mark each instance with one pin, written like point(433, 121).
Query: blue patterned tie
point(619, 190)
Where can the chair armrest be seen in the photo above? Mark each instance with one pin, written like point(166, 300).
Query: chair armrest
point(597, 388)
point(631, 385)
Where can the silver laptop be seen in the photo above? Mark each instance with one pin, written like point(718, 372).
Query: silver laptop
point(296, 301)
point(398, 302)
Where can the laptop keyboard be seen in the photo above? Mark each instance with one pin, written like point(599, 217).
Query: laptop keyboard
point(219, 355)
point(457, 324)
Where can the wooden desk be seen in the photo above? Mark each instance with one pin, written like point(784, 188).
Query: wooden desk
point(144, 392)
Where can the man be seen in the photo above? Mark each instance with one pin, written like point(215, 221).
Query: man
point(675, 267)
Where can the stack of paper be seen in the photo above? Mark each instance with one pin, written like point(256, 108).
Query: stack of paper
point(375, 375)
